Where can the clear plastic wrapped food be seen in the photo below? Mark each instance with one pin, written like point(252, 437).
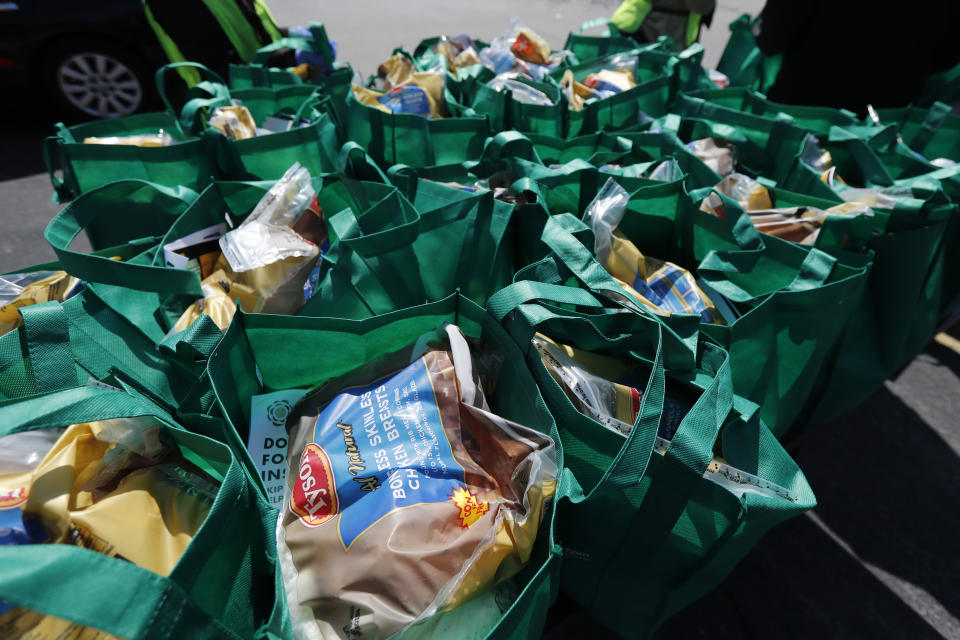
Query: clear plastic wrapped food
point(111, 486)
point(663, 287)
point(275, 248)
point(406, 496)
point(587, 380)
point(24, 289)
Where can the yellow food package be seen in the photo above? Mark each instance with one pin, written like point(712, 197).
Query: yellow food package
point(23, 290)
point(159, 139)
point(421, 94)
point(219, 301)
point(235, 122)
point(576, 92)
point(111, 486)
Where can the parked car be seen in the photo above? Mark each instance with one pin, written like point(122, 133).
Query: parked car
point(91, 58)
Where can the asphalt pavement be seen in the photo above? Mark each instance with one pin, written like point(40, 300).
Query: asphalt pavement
point(878, 558)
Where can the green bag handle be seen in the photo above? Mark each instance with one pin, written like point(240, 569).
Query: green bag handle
point(507, 144)
point(314, 100)
point(67, 225)
point(51, 158)
point(405, 178)
point(871, 165)
point(196, 342)
point(220, 94)
point(595, 22)
point(630, 463)
point(104, 593)
point(353, 161)
point(47, 334)
point(559, 234)
point(348, 229)
point(692, 444)
point(515, 294)
point(814, 271)
point(936, 114)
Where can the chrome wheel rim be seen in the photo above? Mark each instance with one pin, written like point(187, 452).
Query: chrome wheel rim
point(99, 85)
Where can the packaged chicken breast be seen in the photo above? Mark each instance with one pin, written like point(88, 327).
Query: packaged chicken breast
point(406, 495)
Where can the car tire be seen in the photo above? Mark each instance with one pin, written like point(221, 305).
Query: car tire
point(88, 79)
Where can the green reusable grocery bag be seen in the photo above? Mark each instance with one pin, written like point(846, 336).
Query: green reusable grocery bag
point(264, 353)
point(336, 83)
point(226, 584)
point(83, 167)
point(508, 109)
point(312, 140)
point(651, 147)
point(941, 87)
point(247, 76)
point(142, 288)
point(933, 132)
point(587, 47)
point(903, 303)
point(792, 301)
point(623, 110)
point(762, 146)
point(743, 62)
point(413, 140)
point(404, 252)
point(645, 532)
point(817, 120)
point(85, 341)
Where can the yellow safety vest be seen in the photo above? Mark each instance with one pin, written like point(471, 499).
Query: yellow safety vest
point(631, 13)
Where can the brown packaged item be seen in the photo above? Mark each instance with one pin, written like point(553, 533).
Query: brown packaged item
point(406, 497)
point(530, 47)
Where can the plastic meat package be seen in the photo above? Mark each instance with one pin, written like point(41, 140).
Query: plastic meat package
point(407, 499)
point(586, 380)
point(662, 287)
point(111, 486)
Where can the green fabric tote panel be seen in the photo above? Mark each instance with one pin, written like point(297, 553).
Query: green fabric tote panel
point(405, 138)
point(401, 253)
point(645, 531)
point(762, 146)
point(817, 120)
point(780, 342)
point(65, 345)
point(743, 62)
point(300, 353)
point(227, 582)
point(86, 166)
point(506, 112)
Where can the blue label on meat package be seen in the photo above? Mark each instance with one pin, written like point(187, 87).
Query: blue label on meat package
point(387, 449)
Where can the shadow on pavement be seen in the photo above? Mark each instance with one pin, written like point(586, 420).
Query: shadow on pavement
point(23, 126)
